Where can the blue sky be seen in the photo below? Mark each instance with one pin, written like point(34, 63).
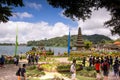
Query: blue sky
point(38, 20)
point(42, 11)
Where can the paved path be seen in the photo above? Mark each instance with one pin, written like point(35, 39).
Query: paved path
point(51, 76)
point(8, 73)
point(112, 77)
point(63, 59)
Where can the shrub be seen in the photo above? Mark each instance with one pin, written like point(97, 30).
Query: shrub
point(89, 68)
point(32, 71)
point(87, 73)
point(48, 67)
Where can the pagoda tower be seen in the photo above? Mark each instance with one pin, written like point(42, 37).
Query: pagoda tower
point(79, 43)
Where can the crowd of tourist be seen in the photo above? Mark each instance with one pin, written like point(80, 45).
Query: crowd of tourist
point(104, 65)
point(32, 59)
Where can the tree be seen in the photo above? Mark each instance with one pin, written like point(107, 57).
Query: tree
point(6, 7)
point(88, 44)
point(82, 9)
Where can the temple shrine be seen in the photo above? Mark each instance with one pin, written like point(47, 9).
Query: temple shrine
point(79, 43)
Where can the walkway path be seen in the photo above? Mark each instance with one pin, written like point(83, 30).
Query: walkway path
point(63, 59)
point(8, 73)
point(112, 77)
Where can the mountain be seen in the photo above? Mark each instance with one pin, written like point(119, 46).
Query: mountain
point(62, 41)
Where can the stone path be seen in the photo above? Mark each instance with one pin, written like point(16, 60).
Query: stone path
point(63, 59)
point(53, 75)
point(112, 77)
point(8, 73)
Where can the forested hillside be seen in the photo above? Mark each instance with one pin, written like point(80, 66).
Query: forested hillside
point(62, 41)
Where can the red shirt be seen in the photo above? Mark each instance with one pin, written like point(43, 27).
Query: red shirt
point(97, 66)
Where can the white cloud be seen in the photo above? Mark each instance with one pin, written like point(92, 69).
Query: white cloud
point(41, 30)
point(34, 5)
point(31, 31)
point(22, 15)
point(95, 25)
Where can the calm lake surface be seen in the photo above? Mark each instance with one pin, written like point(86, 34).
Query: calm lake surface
point(9, 50)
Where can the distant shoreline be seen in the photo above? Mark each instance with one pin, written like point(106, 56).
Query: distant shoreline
point(11, 44)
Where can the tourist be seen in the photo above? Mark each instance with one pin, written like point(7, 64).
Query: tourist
point(119, 70)
point(84, 60)
point(90, 61)
point(93, 60)
point(111, 61)
point(18, 73)
point(116, 59)
point(105, 68)
point(29, 59)
point(32, 59)
point(15, 60)
point(73, 70)
point(2, 60)
point(36, 58)
point(102, 60)
point(23, 72)
point(116, 68)
point(97, 68)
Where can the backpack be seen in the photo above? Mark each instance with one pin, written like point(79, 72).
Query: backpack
point(18, 73)
point(105, 67)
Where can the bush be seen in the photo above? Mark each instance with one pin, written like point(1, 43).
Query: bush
point(87, 73)
point(63, 67)
point(89, 68)
point(48, 67)
point(31, 67)
point(32, 71)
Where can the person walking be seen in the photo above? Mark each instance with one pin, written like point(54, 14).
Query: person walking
point(36, 58)
point(116, 69)
point(18, 73)
point(2, 60)
point(73, 70)
point(90, 61)
point(105, 68)
point(97, 68)
point(119, 70)
point(23, 72)
point(83, 61)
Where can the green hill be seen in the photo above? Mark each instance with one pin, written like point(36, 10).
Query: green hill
point(62, 41)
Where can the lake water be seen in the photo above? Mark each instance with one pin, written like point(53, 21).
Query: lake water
point(9, 50)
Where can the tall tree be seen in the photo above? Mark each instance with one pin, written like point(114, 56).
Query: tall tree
point(82, 9)
point(6, 7)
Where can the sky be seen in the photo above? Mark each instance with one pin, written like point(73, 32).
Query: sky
point(38, 20)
